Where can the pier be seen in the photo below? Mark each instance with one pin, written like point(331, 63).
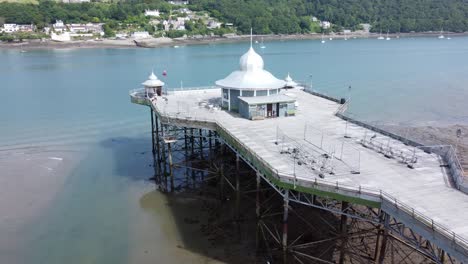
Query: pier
point(396, 202)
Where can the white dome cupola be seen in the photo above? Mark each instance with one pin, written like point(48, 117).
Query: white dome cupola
point(252, 75)
point(251, 61)
point(153, 81)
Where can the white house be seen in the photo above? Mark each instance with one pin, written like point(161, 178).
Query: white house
point(140, 35)
point(10, 28)
point(178, 2)
point(86, 28)
point(59, 26)
point(325, 24)
point(153, 13)
point(213, 24)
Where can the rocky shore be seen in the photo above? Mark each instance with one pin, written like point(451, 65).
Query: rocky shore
point(165, 42)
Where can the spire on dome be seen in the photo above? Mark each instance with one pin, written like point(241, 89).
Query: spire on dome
point(152, 76)
point(153, 81)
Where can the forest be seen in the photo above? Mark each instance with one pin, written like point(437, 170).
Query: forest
point(265, 16)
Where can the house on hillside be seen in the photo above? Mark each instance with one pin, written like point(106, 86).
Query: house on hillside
point(11, 28)
point(153, 13)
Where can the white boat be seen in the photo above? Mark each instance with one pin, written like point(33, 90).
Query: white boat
point(330, 38)
point(262, 46)
point(380, 37)
point(22, 50)
point(387, 38)
point(441, 36)
point(323, 40)
point(176, 46)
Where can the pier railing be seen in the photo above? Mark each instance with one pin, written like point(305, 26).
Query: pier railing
point(286, 180)
point(447, 152)
point(386, 200)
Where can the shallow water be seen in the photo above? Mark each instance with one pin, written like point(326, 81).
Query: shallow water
point(107, 211)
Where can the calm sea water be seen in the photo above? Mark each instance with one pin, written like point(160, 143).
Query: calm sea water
point(107, 211)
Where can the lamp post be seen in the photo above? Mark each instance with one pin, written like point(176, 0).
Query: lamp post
point(459, 134)
point(310, 76)
point(347, 102)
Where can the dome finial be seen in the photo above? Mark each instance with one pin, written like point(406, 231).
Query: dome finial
point(251, 37)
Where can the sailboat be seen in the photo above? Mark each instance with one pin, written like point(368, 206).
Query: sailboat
point(345, 37)
point(262, 46)
point(22, 50)
point(380, 36)
point(323, 40)
point(441, 36)
point(387, 38)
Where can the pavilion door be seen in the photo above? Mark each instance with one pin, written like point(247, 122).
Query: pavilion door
point(269, 110)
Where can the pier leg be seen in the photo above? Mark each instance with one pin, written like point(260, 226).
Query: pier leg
point(285, 226)
point(383, 246)
point(257, 212)
point(185, 139)
point(158, 151)
point(170, 166)
point(344, 232)
point(209, 141)
point(192, 140)
point(186, 159)
point(221, 183)
point(237, 188)
point(163, 158)
point(200, 140)
point(152, 131)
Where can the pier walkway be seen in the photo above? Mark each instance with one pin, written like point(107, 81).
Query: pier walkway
point(317, 152)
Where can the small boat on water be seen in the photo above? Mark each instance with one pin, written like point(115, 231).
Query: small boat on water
point(387, 38)
point(22, 50)
point(262, 46)
point(441, 36)
point(176, 46)
point(323, 40)
point(380, 36)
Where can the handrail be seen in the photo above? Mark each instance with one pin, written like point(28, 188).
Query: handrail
point(381, 196)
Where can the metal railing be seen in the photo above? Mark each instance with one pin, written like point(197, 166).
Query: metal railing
point(361, 192)
point(447, 152)
point(381, 196)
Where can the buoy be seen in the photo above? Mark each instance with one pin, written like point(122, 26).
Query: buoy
point(164, 73)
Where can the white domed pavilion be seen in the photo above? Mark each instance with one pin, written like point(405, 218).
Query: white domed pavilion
point(153, 86)
point(254, 92)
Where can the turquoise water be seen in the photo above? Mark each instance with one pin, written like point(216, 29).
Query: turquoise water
point(79, 98)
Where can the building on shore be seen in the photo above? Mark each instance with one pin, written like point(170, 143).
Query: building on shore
point(12, 28)
point(141, 35)
point(254, 92)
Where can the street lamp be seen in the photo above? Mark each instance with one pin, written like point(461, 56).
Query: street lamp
point(310, 76)
point(459, 134)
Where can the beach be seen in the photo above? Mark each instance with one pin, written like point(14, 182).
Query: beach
point(30, 178)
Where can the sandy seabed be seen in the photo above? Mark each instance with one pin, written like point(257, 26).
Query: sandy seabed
point(29, 180)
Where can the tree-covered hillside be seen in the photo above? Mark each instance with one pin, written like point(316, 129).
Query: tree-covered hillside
point(287, 16)
point(265, 16)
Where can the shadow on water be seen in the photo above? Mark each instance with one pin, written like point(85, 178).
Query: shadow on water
point(184, 211)
point(132, 157)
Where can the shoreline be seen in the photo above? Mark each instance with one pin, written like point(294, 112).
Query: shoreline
point(157, 42)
